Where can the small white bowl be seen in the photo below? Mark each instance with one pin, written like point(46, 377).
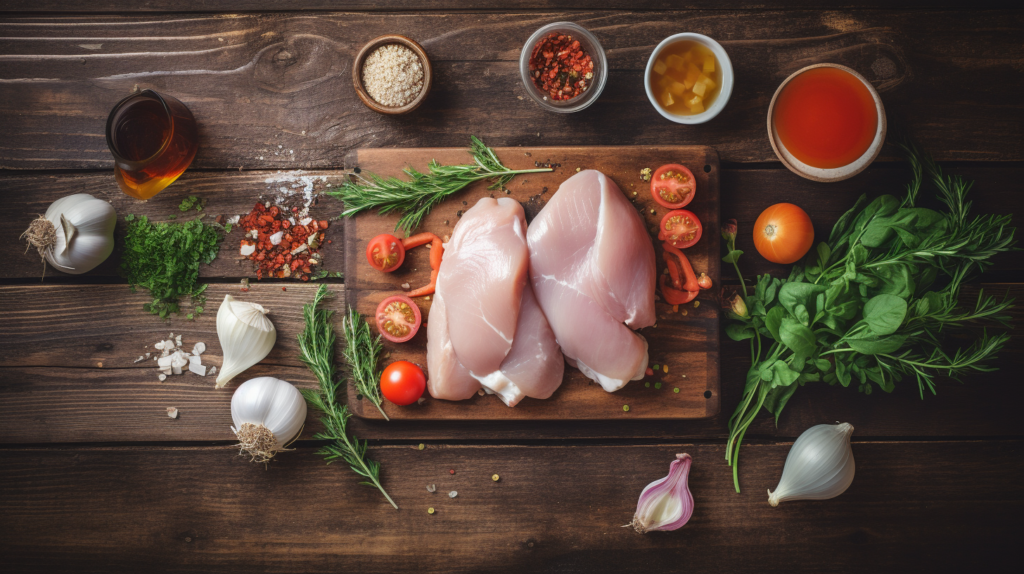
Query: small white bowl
point(836, 173)
point(727, 78)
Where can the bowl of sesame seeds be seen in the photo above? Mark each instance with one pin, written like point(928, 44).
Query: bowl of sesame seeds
point(392, 74)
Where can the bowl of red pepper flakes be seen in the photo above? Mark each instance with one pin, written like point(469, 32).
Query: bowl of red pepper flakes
point(563, 67)
point(279, 244)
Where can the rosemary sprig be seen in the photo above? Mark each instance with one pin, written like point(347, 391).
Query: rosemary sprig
point(415, 198)
point(316, 350)
point(362, 352)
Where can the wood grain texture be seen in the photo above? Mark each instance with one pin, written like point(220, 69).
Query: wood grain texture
point(687, 344)
point(744, 194)
point(555, 509)
point(225, 193)
point(259, 81)
point(235, 6)
point(54, 392)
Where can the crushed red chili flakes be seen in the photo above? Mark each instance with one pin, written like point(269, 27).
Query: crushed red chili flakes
point(296, 250)
point(561, 67)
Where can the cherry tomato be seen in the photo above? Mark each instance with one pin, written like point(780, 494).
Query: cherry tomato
point(398, 318)
point(402, 383)
point(783, 233)
point(385, 253)
point(673, 186)
point(680, 228)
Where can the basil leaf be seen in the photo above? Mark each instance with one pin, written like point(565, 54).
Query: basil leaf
point(877, 345)
point(739, 331)
point(797, 337)
point(885, 313)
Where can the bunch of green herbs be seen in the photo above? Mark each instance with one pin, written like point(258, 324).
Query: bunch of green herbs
point(870, 306)
point(415, 198)
point(316, 350)
point(164, 258)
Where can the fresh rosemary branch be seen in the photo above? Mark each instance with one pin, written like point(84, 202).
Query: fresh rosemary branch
point(362, 352)
point(415, 198)
point(316, 350)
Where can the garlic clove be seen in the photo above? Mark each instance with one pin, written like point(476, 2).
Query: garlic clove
point(819, 465)
point(246, 337)
point(666, 504)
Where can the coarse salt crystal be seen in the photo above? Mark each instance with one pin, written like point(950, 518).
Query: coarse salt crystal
point(247, 250)
point(198, 348)
point(172, 412)
point(197, 369)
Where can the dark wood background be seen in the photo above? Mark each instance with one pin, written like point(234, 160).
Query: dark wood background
point(95, 478)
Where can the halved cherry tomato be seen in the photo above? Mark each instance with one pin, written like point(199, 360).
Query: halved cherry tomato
point(673, 186)
point(398, 318)
point(681, 228)
point(385, 253)
point(402, 383)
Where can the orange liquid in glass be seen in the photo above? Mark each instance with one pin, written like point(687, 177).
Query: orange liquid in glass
point(826, 117)
point(153, 139)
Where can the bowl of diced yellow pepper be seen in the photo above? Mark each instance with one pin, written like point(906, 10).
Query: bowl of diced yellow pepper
point(689, 78)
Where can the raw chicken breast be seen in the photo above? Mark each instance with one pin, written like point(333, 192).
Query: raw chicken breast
point(482, 275)
point(534, 366)
point(593, 271)
point(448, 379)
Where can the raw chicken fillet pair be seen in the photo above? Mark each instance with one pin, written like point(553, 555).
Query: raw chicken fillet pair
point(510, 302)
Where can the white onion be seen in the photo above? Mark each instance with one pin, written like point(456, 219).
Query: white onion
point(819, 465)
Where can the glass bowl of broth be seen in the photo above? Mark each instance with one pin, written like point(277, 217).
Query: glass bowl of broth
point(689, 78)
point(826, 122)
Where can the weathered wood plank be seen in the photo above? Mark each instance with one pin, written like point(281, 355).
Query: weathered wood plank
point(53, 391)
point(744, 194)
point(287, 78)
point(226, 193)
point(234, 6)
point(555, 509)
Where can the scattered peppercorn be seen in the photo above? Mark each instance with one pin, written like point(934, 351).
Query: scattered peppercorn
point(451, 471)
point(561, 67)
point(625, 408)
point(495, 477)
point(430, 510)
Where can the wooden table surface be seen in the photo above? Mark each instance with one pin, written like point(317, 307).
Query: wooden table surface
point(94, 477)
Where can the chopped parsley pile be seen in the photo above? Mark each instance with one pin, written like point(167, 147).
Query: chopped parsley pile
point(164, 258)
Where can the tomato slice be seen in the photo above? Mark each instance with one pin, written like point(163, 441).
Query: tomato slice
point(398, 318)
point(680, 228)
point(673, 186)
point(385, 253)
point(402, 383)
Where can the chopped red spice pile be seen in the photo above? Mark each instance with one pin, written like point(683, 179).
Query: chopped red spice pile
point(561, 67)
point(295, 252)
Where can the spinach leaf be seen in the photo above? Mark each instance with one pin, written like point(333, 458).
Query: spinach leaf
point(884, 313)
point(877, 345)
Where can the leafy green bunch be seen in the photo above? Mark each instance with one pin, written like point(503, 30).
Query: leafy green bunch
point(164, 258)
point(870, 306)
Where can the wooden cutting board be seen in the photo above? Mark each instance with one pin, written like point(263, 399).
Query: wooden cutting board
point(687, 344)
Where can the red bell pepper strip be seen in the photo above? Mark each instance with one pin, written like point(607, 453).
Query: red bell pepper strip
point(674, 296)
point(436, 254)
point(684, 263)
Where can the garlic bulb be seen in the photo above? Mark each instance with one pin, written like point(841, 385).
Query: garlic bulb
point(819, 466)
point(76, 234)
point(666, 504)
point(246, 336)
point(268, 414)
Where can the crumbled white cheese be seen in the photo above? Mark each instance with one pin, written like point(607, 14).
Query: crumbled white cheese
point(197, 369)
